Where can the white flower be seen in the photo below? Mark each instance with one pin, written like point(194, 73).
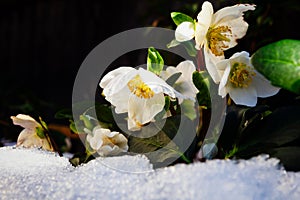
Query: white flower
point(106, 142)
point(215, 32)
point(242, 82)
point(28, 136)
point(138, 92)
point(184, 84)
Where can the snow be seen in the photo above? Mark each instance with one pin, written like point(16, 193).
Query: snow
point(36, 174)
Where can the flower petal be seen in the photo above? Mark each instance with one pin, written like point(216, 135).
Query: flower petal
point(157, 84)
point(105, 150)
point(143, 110)
point(263, 87)
point(117, 83)
point(185, 31)
point(210, 61)
point(28, 138)
point(238, 29)
point(106, 142)
point(243, 96)
point(230, 13)
point(25, 121)
point(185, 84)
point(110, 76)
point(232, 17)
point(120, 100)
point(121, 141)
point(225, 66)
point(204, 20)
point(241, 57)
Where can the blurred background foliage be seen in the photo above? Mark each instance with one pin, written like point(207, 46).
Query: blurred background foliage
point(44, 42)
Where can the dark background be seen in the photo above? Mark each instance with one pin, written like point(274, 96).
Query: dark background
point(43, 43)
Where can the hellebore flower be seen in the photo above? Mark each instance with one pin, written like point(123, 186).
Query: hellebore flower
point(242, 82)
point(184, 84)
point(215, 32)
point(106, 142)
point(138, 92)
point(28, 136)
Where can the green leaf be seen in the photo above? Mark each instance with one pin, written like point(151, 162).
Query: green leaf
point(173, 43)
point(178, 18)
point(80, 158)
point(64, 114)
point(190, 48)
point(155, 62)
point(188, 109)
point(182, 131)
point(162, 113)
point(87, 121)
point(148, 146)
point(73, 126)
point(40, 132)
point(201, 84)
point(280, 63)
point(288, 156)
point(77, 126)
point(172, 79)
point(43, 123)
point(278, 129)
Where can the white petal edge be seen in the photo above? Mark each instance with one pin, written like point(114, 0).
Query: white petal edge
point(243, 96)
point(25, 121)
point(231, 12)
point(223, 83)
point(264, 88)
point(204, 19)
point(185, 31)
point(114, 73)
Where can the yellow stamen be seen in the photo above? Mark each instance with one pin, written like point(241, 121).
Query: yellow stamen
point(139, 88)
point(216, 37)
point(241, 75)
point(108, 141)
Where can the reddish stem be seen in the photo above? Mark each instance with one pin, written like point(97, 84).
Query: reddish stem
point(200, 60)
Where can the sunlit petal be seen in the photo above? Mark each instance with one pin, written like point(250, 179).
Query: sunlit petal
point(105, 142)
point(243, 96)
point(230, 13)
point(185, 31)
point(204, 21)
point(142, 111)
point(210, 62)
point(263, 86)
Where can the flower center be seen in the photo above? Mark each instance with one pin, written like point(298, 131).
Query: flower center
point(139, 88)
point(241, 75)
point(216, 37)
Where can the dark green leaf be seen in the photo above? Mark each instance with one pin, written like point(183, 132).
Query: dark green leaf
point(178, 18)
point(148, 146)
point(182, 131)
point(190, 48)
point(172, 79)
point(161, 114)
point(279, 129)
point(155, 62)
point(80, 158)
point(188, 109)
point(201, 84)
point(64, 114)
point(104, 113)
point(280, 63)
point(288, 156)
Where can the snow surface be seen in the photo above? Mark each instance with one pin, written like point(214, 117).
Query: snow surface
point(35, 174)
